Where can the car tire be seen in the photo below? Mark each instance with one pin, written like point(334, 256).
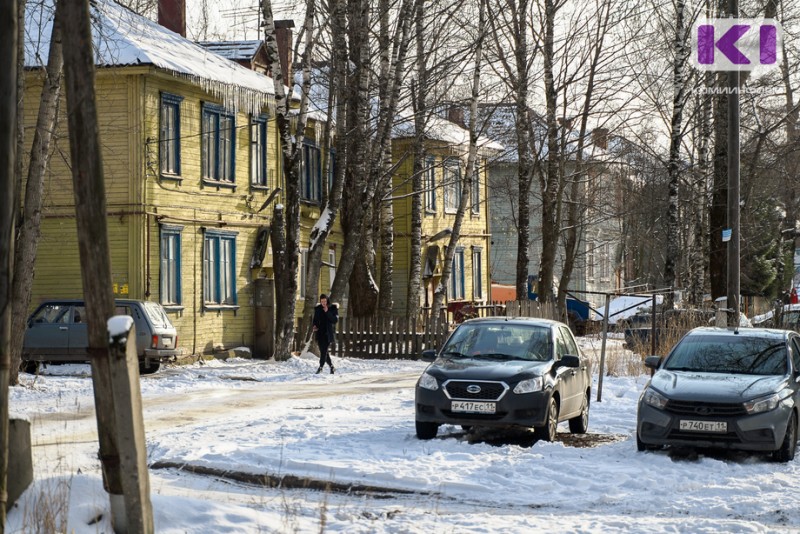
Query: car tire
point(789, 445)
point(466, 428)
point(29, 366)
point(547, 432)
point(426, 430)
point(580, 424)
point(144, 370)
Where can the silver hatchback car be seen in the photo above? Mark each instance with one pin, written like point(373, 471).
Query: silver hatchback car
point(57, 333)
point(724, 388)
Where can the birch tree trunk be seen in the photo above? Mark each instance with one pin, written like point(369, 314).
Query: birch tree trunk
point(676, 138)
point(285, 235)
point(419, 93)
point(29, 231)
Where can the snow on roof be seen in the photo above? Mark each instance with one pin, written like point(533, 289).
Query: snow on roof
point(233, 49)
point(440, 129)
point(123, 38)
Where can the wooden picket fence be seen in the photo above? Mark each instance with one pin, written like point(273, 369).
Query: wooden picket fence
point(392, 337)
point(399, 337)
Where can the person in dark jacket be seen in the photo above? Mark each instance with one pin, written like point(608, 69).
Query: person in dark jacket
point(326, 315)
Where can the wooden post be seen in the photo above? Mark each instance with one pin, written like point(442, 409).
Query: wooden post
point(124, 368)
point(603, 350)
point(8, 146)
point(90, 208)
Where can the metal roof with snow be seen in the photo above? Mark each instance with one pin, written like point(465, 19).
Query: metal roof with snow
point(123, 38)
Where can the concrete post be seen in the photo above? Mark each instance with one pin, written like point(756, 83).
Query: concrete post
point(124, 368)
point(20, 461)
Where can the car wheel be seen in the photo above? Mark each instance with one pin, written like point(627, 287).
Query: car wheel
point(466, 428)
point(580, 424)
point(789, 445)
point(144, 370)
point(426, 430)
point(547, 432)
point(29, 366)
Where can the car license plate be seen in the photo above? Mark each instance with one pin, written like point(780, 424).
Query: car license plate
point(704, 426)
point(473, 407)
point(167, 341)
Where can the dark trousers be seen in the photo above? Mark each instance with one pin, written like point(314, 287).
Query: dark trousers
point(324, 357)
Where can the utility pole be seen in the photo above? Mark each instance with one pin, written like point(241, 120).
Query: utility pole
point(8, 145)
point(733, 187)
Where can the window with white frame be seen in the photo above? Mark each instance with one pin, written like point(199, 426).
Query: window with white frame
point(219, 268)
point(170, 134)
point(170, 283)
point(477, 273)
point(605, 261)
point(258, 151)
point(451, 172)
point(457, 276)
point(331, 265)
point(429, 185)
point(218, 144)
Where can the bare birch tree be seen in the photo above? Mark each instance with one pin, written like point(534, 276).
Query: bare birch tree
point(472, 157)
point(29, 230)
point(285, 228)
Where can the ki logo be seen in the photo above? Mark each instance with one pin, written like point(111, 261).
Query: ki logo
point(736, 44)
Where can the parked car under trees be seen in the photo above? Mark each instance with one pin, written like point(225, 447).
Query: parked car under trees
point(498, 372)
point(724, 388)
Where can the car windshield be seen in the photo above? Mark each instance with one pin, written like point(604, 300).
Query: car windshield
point(737, 354)
point(156, 315)
point(500, 341)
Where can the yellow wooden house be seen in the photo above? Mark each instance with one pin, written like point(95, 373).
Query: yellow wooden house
point(446, 147)
point(192, 171)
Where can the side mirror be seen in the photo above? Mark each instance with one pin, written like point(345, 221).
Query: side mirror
point(652, 362)
point(428, 355)
point(569, 360)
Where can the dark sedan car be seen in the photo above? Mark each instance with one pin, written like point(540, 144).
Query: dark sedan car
point(724, 388)
point(505, 372)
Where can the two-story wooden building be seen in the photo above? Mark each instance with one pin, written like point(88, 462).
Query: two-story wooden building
point(446, 148)
point(192, 167)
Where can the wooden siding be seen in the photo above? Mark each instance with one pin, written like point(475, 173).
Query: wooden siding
point(474, 230)
point(139, 201)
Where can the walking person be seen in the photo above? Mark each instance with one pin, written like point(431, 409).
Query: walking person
point(326, 315)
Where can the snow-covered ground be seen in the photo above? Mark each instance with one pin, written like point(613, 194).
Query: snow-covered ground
point(248, 417)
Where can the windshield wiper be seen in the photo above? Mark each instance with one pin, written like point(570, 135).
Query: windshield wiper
point(682, 369)
point(454, 353)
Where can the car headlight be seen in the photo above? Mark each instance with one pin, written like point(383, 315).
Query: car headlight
point(764, 404)
point(426, 381)
point(654, 398)
point(529, 386)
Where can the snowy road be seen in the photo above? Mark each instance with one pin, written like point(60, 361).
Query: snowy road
point(265, 419)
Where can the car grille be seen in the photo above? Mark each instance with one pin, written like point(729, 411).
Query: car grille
point(705, 409)
point(489, 391)
point(729, 437)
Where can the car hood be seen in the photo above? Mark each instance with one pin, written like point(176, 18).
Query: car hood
point(715, 387)
point(486, 369)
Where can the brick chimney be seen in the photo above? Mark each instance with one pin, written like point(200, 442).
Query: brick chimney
point(600, 138)
point(455, 114)
point(283, 35)
point(172, 15)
